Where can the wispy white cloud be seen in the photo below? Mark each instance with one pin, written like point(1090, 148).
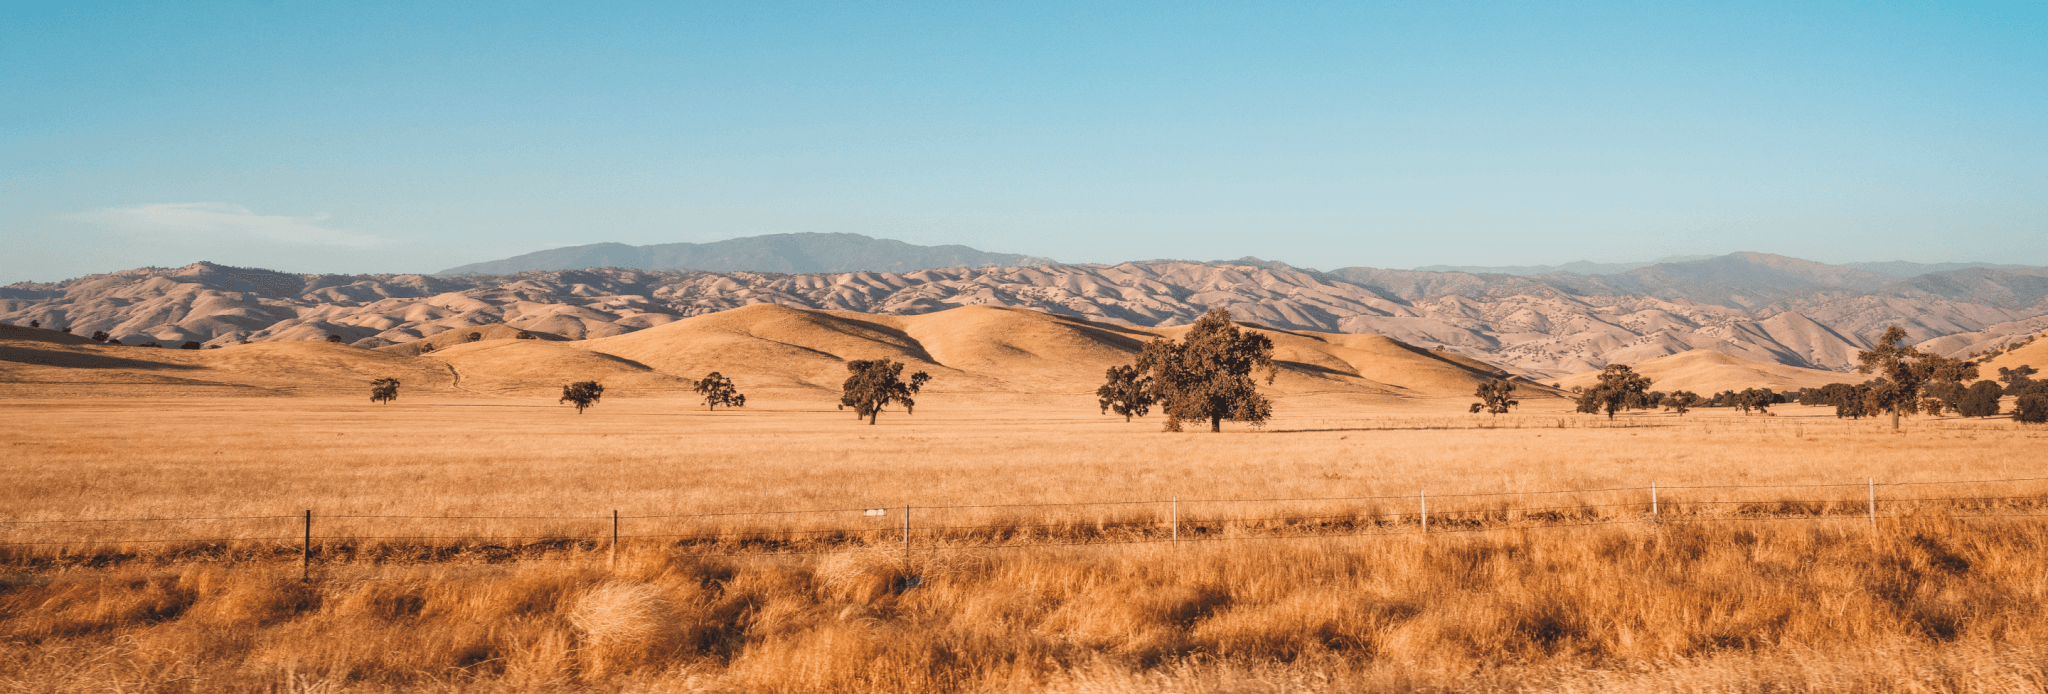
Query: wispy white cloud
point(223, 219)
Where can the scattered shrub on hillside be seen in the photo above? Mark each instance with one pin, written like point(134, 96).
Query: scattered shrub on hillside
point(1126, 391)
point(65, 330)
point(582, 393)
point(2016, 379)
point(1207, 375)
point(1495, 397)
point(475, 337)
point(152, 343)
point(1980, 400)
point(523, 335)
point(190, 344)
point(35, 324)
point(113, 340)
point(874, 384)
point(384, 390)
point(336, 339)
point(1620, 388)
point(99, 336)
point(213, 346)
point(719, 390)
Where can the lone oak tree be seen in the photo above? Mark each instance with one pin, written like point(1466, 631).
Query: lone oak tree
point(1208, 374)
point(583, 394)
point(1495, 397)
point(1620, 388)
point(874, 383)
point(719, 390)
point(1903, 371)
point(384, 390)
point(1127, 391)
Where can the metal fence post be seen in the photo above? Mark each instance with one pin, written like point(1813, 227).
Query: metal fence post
point(613, 562)
point(306, 551)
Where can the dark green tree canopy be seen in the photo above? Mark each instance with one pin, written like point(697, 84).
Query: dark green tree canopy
point(1681, 401)
point(1207, 375)
point(582, 394)
point(874, 383)
point(719, 390)
point(1904, 371)
point(1496, 397)
point(1125, 390)
point(1620, 388)
point(384, 390)
point(1980, 400)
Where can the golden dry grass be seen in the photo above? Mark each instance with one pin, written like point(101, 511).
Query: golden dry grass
point(1921, 603)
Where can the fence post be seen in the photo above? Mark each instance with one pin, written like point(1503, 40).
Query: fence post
point(906, 539)
point(613, 562)
point(1653, 500)
point(1423, 496)
point(1873, 500)
point(306, 551)
point(1176, 521)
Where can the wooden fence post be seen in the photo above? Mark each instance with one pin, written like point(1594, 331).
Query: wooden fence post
point(1176, 521)
point(1873, 500)
point(306, 551)
point(613, 562)
point(1653, 500)
point(1423, 496)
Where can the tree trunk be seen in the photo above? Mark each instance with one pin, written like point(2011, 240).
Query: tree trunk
point(1215, 424)
point(1127, 419)
point(877, 412)
point(1895, 420)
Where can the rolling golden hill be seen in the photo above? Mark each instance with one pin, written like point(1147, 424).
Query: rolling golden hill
point(1707, 372)
point(2034, 354)
point(762, 347)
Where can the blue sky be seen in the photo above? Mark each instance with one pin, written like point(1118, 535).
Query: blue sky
point(411, 137)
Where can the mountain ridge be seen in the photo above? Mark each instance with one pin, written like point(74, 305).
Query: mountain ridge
point(1755, 306)
point(786, 253)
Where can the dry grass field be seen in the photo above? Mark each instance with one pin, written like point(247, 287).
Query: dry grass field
point(1264, 596)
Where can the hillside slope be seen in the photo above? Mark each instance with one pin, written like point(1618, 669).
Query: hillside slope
point(1707, 372)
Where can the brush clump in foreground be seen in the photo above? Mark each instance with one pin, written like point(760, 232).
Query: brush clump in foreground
point(1914, 605)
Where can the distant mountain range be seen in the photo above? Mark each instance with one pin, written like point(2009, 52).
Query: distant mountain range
point(786, 253)
point(1895, 268)
point(1753, 305)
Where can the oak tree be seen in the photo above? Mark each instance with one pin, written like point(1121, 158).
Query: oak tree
point(1620, 388)
point(582, 393)
point(874, 383)
point(1496, 397)
point(1681, 401)
point(384, 390)
point(1207, 375)
point(1126, 391)
point(718, 390)
point(1980, 400)
point(1903, 371)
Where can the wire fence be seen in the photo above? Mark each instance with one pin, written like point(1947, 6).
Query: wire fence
point(974, 527)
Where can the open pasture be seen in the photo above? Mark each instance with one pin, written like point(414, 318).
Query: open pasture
point(520, 470)
point(1924, 601)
